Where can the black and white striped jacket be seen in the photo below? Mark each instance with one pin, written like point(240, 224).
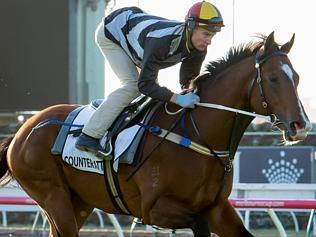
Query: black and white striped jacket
point(153, 43)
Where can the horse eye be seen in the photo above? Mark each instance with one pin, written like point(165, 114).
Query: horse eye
point(273, 79)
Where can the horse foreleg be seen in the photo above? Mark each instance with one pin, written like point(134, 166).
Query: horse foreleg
point(225, 222)
point(172, 214)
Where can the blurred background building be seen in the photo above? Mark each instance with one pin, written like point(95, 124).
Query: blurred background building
point(48, 54)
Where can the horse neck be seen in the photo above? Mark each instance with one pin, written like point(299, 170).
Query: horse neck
point(230, 88)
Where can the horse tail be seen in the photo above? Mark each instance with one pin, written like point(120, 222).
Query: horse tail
point(5, 174)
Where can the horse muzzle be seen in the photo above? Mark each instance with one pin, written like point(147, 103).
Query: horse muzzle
point(297, 131)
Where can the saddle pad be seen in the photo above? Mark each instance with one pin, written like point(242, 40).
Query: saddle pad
point(86, 161)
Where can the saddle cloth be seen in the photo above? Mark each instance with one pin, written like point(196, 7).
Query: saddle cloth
point(125, 145)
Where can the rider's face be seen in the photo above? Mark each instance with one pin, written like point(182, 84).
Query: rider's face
point(201, 38)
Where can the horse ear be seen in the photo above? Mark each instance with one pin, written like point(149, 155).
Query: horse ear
point(287, 46)
point(269, 41)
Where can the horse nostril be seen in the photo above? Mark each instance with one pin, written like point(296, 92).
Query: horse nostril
point(297, 125)
point(298, 130)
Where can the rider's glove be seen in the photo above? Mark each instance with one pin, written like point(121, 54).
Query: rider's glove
point(188, 100)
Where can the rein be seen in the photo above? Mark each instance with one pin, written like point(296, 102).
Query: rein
point(222, 107)
point(259, 62)
point(272, 118)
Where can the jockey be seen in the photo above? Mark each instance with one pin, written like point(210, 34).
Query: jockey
point(137, 46)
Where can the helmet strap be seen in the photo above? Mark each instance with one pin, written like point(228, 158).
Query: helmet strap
point(188, 42)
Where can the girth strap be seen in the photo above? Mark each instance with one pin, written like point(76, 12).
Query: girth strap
point(110, 176)
point(113, 188)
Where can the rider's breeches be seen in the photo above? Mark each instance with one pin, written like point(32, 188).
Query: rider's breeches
point(126, 71)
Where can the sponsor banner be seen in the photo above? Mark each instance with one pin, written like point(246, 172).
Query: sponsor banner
point(274, 165)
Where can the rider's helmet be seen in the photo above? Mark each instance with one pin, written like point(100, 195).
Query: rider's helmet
point(206, 15)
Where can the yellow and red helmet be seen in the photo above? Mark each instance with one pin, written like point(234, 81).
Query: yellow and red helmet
point(206, 15)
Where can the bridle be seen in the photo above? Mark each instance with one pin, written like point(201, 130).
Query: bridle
point(260, 60)
point(257, 80)
point(185, 141)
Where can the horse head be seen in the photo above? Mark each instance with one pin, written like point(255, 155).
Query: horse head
point(275, 86)
point(259, 78)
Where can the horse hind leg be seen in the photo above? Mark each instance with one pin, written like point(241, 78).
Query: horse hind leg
point(52, 227)
point(41, 175)
point(60, 213)
point(81, 211)
point(47, 187)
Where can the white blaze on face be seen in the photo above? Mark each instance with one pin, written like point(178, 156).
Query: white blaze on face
point(300, 132)
point(288, 71)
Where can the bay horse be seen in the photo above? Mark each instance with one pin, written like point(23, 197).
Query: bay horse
point(176, 187)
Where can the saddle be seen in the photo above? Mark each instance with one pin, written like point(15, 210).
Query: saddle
point(127, 117)
point(124, 133)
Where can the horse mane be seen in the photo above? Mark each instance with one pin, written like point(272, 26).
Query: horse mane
point(235, 54)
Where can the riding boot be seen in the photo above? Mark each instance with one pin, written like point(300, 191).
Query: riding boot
point(91, 144)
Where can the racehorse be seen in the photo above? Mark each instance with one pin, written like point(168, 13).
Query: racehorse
point(176, 187)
